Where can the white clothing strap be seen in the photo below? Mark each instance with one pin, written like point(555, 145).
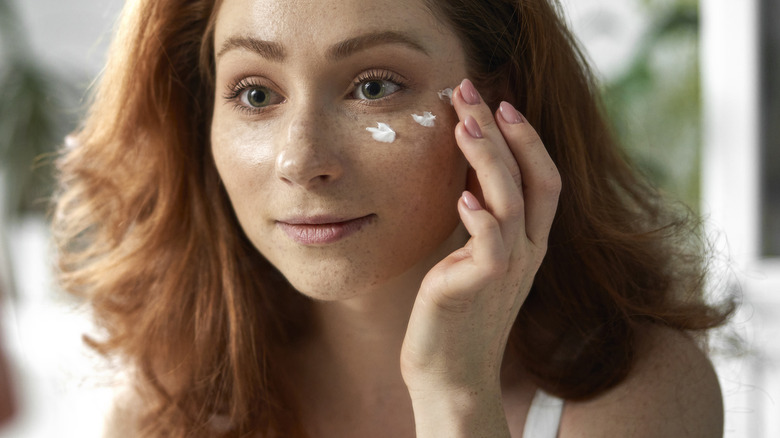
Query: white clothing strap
point(544, 416)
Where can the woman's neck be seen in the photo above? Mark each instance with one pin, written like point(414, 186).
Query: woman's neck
point(354, 346)
point(355, 343)
point(349, 362)
point(346, 374)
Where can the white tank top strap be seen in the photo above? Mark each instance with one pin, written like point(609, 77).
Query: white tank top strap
point(544, 416)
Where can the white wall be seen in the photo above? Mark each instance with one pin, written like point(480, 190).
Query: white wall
point(70, 35)
point(63, 389)
point(730, 78)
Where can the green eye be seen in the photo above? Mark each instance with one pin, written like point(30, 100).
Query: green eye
point(375, 89)
point(257, 97)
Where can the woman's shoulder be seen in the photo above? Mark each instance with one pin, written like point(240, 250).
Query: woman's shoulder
point(123, 418)
point(672, 390)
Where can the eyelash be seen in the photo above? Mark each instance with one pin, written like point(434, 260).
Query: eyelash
point(237, 88)
point(379, 75)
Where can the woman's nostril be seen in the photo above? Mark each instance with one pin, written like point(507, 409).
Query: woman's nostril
point(304, 164)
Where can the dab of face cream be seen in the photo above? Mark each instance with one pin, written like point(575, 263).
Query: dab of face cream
point(446, 94)
point(425, 120)
point(382, 133)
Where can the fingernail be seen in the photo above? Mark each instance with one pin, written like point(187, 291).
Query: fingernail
point(469, 93)
point(472, 127)
point(509, 113)
point(471, 201)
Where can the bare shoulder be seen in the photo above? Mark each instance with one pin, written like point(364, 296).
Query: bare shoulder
point(672, 391)
point(123, 418)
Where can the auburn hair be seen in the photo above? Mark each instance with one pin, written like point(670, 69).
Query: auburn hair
point(146, 233)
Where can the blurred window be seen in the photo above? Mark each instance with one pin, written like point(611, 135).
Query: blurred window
point(770, 128)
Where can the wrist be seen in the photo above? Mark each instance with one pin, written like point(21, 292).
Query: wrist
point(459, 413)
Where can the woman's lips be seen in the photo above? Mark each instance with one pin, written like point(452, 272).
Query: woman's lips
point(322, 230)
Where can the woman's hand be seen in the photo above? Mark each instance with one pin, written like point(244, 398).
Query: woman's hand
point(460, 323)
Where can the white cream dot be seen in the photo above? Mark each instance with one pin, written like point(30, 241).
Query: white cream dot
point(425, 120)
point(382, 132)
point(446, 94)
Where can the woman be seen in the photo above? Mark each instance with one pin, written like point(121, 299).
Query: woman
point(288, 229)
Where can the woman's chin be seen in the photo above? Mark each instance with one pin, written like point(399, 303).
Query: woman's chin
point(339, 276)
point(339, 283)
point(332, 289)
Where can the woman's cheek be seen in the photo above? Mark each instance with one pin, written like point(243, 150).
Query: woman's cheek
point(244, 143)
point(423, 144)
point(244, 155)
point(414, 143)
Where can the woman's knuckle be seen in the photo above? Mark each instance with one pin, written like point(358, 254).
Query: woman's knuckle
point(552, 183)
point(492, 226)
point(454, 303)
point(484, 160)
point(486, 121)
point(515, 210)
point(517, 176)
point(496, 268)
point(531, 138)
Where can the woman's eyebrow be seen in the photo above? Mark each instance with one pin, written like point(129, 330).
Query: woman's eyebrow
point(347, 47)
point(267, 49)
point(274, 51)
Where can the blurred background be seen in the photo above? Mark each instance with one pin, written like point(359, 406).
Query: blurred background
point(691, 86)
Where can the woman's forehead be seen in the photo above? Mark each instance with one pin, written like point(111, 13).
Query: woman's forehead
point(316, 24)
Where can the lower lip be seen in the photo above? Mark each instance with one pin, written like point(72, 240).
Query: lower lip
point(321, 234)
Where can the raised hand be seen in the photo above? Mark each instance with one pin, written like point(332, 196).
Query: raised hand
point(460, 323)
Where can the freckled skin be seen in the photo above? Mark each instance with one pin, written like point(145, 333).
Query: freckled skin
point(401, 358)
point(318, 135)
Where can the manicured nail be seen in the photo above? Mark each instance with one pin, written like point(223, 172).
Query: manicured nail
point(509, 113)
point(471, 201)
point(469, 93)
point(472, 127)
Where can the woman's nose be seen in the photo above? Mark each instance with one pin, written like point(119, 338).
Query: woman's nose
point(308, 156)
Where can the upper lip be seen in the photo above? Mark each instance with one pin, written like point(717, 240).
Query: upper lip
point(319, 219)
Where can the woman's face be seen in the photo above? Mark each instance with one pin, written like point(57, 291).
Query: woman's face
point(297, 84)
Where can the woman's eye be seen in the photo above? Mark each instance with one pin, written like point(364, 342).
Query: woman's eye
point(375, 89)
point(257, 97)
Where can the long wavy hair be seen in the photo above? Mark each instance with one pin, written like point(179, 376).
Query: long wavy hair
point(146, 233)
